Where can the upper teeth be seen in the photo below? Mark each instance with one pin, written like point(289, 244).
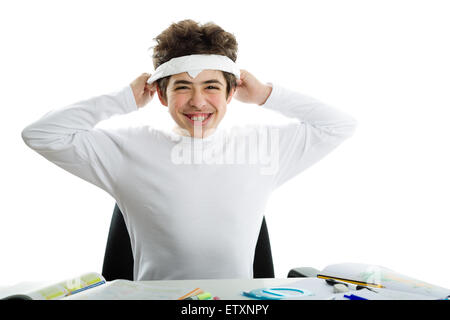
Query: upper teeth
point(201, 118)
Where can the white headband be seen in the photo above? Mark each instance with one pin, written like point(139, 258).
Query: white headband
point(194, 64)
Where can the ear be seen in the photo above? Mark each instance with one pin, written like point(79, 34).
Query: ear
point(230, 95)
point(160, 96)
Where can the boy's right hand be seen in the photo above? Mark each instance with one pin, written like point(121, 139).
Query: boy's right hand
point(142, 91)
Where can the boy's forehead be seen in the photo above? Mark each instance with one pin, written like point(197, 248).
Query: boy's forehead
point(204, 75)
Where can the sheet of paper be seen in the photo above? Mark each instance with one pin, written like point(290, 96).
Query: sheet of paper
point(130, 290)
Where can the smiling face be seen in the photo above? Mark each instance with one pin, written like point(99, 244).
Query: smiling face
point(197, 104)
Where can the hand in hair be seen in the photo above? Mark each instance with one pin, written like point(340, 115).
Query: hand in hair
point(142, 91)
point(251, 90)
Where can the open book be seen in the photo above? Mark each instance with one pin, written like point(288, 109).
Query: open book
point(63, 289)
point(383, 282)
point(94, 286)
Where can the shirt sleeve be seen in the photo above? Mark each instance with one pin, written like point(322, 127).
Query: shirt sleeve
point(320, 129)
point(68, 137)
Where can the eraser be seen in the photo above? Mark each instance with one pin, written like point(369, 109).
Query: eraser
point(340, 288)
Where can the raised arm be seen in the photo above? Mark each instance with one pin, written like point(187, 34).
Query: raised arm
point(68, 136)
point(319, 130)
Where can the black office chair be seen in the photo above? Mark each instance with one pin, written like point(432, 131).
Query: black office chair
point(118, 262)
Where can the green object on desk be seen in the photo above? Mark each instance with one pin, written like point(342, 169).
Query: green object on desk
point(201, 296)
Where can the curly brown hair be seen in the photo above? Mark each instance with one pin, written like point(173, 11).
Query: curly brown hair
point(188, 37)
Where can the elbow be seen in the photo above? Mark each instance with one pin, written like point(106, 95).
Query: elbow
point(39, 139)
point(27, 136)
point(36, 138)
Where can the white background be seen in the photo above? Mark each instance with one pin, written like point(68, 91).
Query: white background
point(380, 198)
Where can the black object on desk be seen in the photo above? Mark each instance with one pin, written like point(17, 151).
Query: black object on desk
point(17, 297)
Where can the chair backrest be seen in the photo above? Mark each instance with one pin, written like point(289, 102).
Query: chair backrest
point(118, 262)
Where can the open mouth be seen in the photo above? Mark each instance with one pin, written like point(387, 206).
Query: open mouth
point(198, 118)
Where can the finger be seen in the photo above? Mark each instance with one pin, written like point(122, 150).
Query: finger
point(150, 89)
point(243, 73)
point(145, 77)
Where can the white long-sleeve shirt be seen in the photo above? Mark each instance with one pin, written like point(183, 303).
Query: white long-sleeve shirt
point(189, 216)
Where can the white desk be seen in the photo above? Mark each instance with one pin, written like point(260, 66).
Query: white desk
point(225, 289)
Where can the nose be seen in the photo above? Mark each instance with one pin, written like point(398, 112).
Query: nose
point(197, 99)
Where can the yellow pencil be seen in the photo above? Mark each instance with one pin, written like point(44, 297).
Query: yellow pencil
point(361, 283)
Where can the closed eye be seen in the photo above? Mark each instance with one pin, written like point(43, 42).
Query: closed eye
point(181, 88)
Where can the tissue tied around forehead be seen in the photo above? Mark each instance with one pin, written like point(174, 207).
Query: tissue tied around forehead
point(194, 64)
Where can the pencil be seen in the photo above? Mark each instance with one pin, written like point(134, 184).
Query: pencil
point(194, 292)
point(367, 284)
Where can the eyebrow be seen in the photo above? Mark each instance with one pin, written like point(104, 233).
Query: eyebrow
point(204, 82)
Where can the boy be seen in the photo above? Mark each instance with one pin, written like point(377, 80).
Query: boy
point(190, 216)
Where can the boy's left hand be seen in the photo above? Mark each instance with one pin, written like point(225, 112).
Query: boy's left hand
point(251, 90)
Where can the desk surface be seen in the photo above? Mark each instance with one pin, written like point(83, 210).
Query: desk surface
point(227, 289)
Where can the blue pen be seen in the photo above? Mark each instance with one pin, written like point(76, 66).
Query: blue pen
point(354, 297)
